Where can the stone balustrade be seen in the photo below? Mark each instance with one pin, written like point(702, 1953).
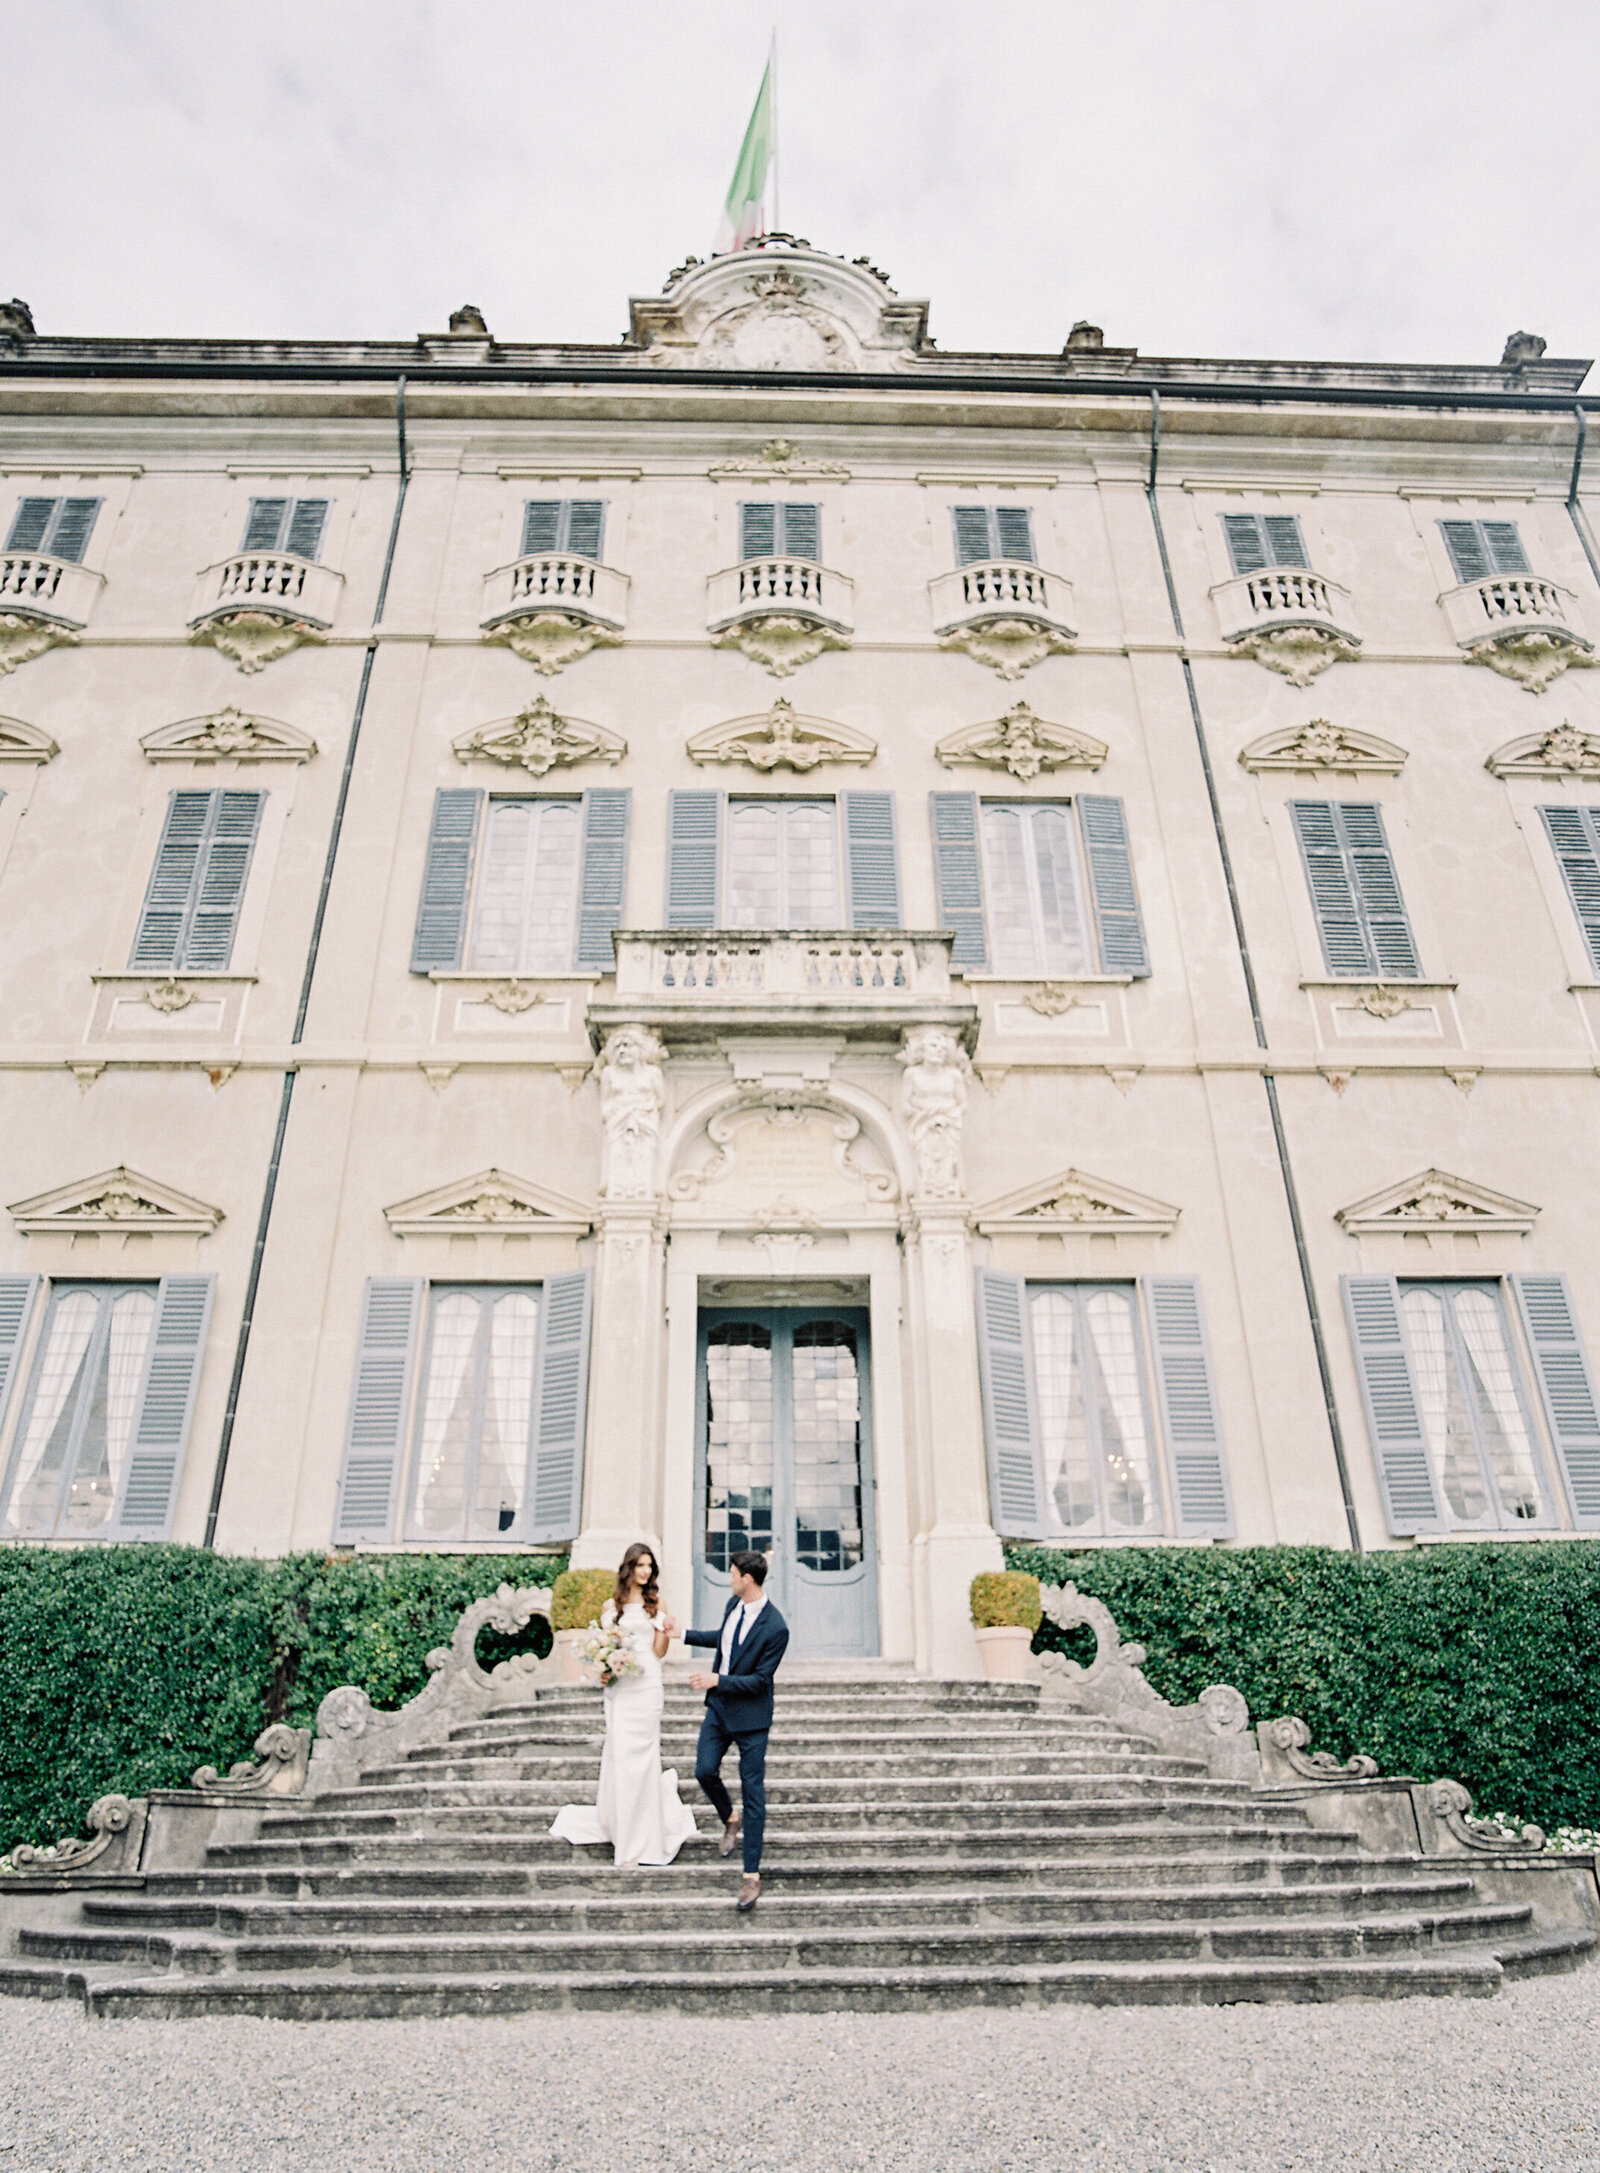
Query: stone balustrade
point(268, 582)
point(792, 587)
point(1283, 596)
point(1512, 603)
point(556, 581)
point(1003, 588)
point(52, 589)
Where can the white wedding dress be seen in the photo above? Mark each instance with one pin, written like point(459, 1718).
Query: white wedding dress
point(639, 1810)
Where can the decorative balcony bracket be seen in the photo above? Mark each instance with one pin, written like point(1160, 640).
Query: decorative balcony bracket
point(22, 639)
point(1520, 625)
point(1535, 660)
point(43, 602)
point(1007, 615)
point(1298, 652)
point(553, 608)
point(551, 640)
point(260, 605)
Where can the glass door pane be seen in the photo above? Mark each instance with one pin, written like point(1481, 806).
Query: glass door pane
point(739, 1442)
point(826, 1399)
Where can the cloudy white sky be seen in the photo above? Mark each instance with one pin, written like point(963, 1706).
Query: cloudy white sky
point(1399, 179)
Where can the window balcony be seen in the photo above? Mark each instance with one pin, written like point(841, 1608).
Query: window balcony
point(1289, 619)
point(1527, 628)
point(1003, 613)
point(554, 607)
point(780, 611)
point(259, 605)
point(780, 981)
point(56, 590)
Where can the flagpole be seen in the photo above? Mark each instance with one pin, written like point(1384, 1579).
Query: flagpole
point(772, 63)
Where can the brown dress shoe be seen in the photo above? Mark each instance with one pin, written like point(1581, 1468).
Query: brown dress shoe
point(730, 1837)
point(749, 1892)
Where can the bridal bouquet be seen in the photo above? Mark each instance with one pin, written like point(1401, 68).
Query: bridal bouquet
point(611, 1653)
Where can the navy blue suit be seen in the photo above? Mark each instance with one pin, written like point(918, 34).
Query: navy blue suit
point(739, 1711)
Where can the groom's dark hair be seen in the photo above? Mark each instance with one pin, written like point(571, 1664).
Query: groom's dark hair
point(750, 1565)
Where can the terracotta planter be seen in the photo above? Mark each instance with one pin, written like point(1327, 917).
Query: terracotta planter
point(1008, 1655)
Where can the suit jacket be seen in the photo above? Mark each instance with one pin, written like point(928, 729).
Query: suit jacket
point(743, 1696)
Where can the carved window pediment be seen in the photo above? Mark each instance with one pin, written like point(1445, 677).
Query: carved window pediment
point(228, 736)
point(1074, 1201)
point(1433, 1203)
point(493, 1203)
point(1321, 745)
point(539, 740)
point(21, 742)
point(781, 740)
point(1023, 744)
point(114, 1200)
point(1564, 751)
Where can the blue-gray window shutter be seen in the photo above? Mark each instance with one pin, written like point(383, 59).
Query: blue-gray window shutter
point(380, 1398)
point(758, 529)
point(1285, 545)
point(1013, 527)
point(18, 1295)
point(1505, 547)
point(29, 523)
point(164, 1407)
point(1575, 836)
point(1355, 891)
point(1481, 548)
point(71, 528)
point(1187, 1391)
point(873, 858)
point(263, 526)
point(603, 878)
point(560, 1405)
point(447, 879)
point(1389, 1397)
point(191, 908)
point(958, 871)
point(1247, 546)
point(166, 905)
point(1010, 1422)
point(1116, 902)
point(585, 527)
point(1566, 1388)
point(802, 531)
point(541, 526)
point(306, 523)
point(972, 534)
point(694, 857)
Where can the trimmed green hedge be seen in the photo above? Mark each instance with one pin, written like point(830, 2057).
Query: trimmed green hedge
point(1479, 1661)
point(127, 1667)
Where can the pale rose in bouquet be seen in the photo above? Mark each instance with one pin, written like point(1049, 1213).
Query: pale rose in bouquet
point(610, 1652)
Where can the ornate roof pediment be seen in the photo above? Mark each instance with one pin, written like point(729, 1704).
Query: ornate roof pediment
point(228, 736)
point(1072, 1200)
point(1023, 744)
point(21, 742)
point(781, 740)
point(116, 1199)
point(777, 305)
point(1564, 751)
point(1320, 745)
point(1434, 1202)
point(539, 740)
point(492, 1202)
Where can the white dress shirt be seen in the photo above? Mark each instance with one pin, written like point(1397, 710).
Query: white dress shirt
point(740, 1620)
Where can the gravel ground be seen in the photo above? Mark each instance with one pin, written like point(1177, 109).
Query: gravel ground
point(1468, 2086)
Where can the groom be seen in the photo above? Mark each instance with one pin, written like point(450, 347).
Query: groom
point(752, 1640)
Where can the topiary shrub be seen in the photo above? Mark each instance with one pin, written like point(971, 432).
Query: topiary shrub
point(1005, 1599)
point(578, 1595)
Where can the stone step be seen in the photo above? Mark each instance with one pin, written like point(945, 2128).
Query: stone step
point(932, 1792)
point(999, 1743)
point(1014, 1909)
point(1463, 1972)
point(583, 1761)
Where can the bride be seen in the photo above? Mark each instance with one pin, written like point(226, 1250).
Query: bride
point(638, 1810)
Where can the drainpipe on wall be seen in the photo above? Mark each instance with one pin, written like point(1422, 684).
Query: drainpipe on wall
point(1573, 507)
point(275, 1161)
point(1269, 1078)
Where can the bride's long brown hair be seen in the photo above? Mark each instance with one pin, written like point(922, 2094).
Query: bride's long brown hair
point(623, 1595)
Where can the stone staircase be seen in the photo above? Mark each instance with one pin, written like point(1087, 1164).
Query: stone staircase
point(929, 1844)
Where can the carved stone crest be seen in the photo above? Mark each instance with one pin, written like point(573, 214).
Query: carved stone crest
point(1008, 646)
point(551, 640)
point(1298, 652)
point(781, 740)
point(1321, 745)
point(229, 735)
point(254, 639)
point(1563, 751)
point(540, 740)
point(778, 458)
point(1534, 659)
point(1023, 744)
point(116, 1199)
point(780, 640)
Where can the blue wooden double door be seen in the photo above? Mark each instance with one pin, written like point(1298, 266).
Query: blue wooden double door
point(785, 1468)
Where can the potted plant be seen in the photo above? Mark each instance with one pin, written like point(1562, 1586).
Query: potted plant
point(1005, 1614)
point(576, 1598)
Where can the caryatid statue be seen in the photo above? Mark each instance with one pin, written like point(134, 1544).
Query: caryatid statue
point(933, 1101)
point(632, 1096)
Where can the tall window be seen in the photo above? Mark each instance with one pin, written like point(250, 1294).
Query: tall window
point(575, 525)
point(989, 532)
point(1259, 540)
point(780, 528)
point(782, 864)
point(1355, 891)
point(54, 527)
point(1474, 1419)
point(527, 893)
point(1094, 1424)
point(1575, 834)
point(1038, 916)
point(1480, 549)
point(77, 1424)
point(191, 909)
point(474, 1429)
point(293, 525)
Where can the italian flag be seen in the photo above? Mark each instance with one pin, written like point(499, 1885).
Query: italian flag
point(744, 213)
